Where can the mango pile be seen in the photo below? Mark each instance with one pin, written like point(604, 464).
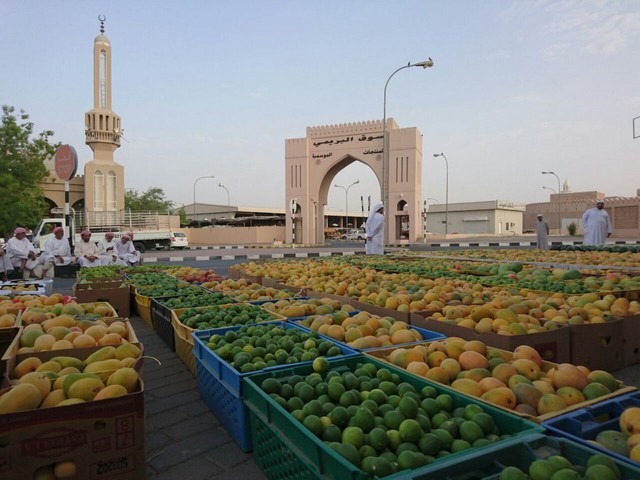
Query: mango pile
point(626, 440)
point(204, 318)
point(65, 332)
point(379, 423)
point(244, 290)
point(518, 381)
point(255, 347)
point(292, 307)
point(557, 467)
point(65, 380)
point(364, 330)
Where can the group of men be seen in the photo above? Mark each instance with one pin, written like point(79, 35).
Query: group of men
point(596, 226)
point(20, 253)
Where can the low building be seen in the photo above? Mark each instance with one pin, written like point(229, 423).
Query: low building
point(494, 217)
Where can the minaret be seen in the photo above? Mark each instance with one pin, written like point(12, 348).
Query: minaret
point(104, 178)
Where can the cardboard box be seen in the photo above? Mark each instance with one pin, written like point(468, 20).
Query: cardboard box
point(236, 273)
point(597, 346)
point(113, 292)
point(553, 346)
point(104, 439)
point(630, 340)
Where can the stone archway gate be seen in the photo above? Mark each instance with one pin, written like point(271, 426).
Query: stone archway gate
point(313, 162)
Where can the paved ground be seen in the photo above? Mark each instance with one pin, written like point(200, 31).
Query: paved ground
point(183, 438)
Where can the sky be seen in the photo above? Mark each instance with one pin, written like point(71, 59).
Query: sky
point(215, 88)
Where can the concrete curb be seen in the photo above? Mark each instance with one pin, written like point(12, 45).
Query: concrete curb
point(207, 258)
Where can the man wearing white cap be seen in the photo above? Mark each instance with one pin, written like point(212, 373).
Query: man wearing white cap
point(22, 253)
point(108, 253)
point(542, 230)
point(596, 225)
point(375, 231)
point(56, 252)
point(87, 251)
point(126, 251)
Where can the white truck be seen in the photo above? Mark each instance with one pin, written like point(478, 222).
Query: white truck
point(152, 230)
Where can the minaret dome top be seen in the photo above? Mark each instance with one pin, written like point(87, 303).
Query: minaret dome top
point(102, 38)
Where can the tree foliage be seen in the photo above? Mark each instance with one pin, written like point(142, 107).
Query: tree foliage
point(152, 199)
point(184, 221)
point(22, 168)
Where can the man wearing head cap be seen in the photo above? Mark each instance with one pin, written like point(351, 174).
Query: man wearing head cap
point(596, 225)
point(22, 253)
point(108, 253)
point(126, 251)
point(87, 251)
point(56, 252)
point(542, 230)
point(375, 231)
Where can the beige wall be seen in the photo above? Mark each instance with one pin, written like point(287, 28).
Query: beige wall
point(234, 235)
point(623, 211)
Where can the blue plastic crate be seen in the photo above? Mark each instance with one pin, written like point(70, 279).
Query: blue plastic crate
point(273, 300)
point(488, 464)
point(427, 336)
point(229, 408)
point(585, 424)
point(224, 372)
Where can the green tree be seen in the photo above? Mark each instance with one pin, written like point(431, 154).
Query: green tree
point(152, 199)
point(22, 168)
point(184, 221)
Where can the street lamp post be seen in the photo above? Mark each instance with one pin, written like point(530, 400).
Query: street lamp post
point(446, 201)
point(346, 193)
point(194, 193)
point(558, 207)
point(385, 141)
point(227, 190)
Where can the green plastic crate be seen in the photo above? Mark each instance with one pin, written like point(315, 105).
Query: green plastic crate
point(314, 457)
point(489, 463)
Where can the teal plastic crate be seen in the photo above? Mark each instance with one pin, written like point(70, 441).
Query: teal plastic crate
point(488, 464)
point(585, 424)
point(314, 456)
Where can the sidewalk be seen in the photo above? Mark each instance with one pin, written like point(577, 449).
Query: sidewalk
point(183, 438)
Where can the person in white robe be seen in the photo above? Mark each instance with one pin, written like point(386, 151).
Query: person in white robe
point(542, 231)
point(22, 253)
point(56, 252)
point(108, 252)
point(596, 225)
point(87, 252)
point(375, 231)
point(5, 262)
point(126, 251)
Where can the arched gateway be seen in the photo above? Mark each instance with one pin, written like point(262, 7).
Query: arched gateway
point(313, 162)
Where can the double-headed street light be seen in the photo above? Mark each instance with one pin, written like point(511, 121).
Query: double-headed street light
point(559, 190)
point(194, 192)
point(346, 193)
point(385, 142)
point(227, 190)
point(446, 202)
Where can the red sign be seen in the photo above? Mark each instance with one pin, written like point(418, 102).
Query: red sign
point(66, 162)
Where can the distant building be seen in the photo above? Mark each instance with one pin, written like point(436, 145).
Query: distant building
point(494, 217)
